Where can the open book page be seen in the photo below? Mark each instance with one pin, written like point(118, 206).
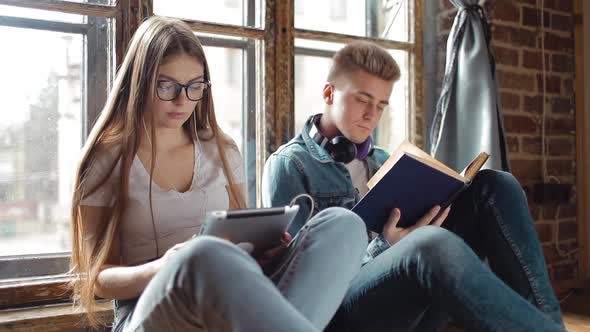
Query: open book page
point(428, 159)
point(475, 165)
point(416, 153)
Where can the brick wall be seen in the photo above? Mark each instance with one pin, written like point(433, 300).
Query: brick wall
point(517, 43)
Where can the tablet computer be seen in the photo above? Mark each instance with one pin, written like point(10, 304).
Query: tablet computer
point(263, 228)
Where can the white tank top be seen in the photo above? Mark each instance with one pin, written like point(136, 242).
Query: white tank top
point(177, 216)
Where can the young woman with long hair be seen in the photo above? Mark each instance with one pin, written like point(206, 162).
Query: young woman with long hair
point(154, 163)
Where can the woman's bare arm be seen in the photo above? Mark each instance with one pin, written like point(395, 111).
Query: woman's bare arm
point(115, 281)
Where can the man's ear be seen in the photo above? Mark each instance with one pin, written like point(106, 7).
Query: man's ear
point(328, 93)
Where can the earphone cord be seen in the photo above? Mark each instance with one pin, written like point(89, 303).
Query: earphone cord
point(283, 264)
point(151, 207)
point(312, 204)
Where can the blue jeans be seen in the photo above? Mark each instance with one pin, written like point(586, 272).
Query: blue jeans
point(435, 273)
point(212, 285)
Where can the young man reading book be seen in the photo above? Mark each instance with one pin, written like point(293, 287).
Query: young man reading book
point(417, 277)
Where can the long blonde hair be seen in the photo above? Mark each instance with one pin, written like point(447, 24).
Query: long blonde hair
point(119, 125)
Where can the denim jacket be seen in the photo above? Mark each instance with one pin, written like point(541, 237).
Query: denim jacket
point(302, 166)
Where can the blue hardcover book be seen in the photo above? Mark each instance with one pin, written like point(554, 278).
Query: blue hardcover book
point(414, 182)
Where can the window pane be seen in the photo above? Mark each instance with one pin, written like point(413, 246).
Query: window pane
point(234, 66)
point(341, 16)
point(311, 71)
point(310, 77)
point(40, 138)
point(40, 14)
point(387, 19)
point(236, 12)
point(318, 45)
point(225, 66)
point(392, 19)
point(393, 127)
point(228, 77)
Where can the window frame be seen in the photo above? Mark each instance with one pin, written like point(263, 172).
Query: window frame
point(270, 49)
point(26, 287)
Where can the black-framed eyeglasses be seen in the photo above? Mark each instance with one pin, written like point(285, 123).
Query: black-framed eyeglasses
point(170, 90)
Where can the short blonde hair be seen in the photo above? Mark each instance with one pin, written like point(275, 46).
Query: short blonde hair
point(364, 56)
